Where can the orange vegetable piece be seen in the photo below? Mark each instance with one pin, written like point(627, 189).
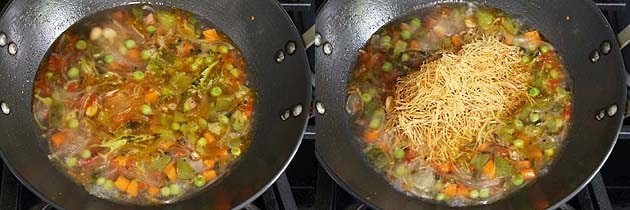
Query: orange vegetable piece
point(489, 170)
point(443, 168)
point(121, 183)
point(132, 188)
point(170, 171)
point(484, 147)
point(209, 137)
point(534, 152)
point(462, 190)
point(528, 173)
point(209, 175)
point(522, 164)
point(532, 36)
point(209, 162)
point(120, 161)
point(153, 191)
point(58, 138)
point(134, 55)
point(414, 45)
point(457, 41)
point(152, 97)
point(186, 48)
point(211, 35)
point(370, 136)
point(450, 190)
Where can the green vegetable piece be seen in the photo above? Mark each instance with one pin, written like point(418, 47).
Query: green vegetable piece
point(223, 119)
point(534, 117)
point(400, 170)
point(49, 75)
point(109, 184)
point(216, 91)
point(526, 59)
point(223, 103)
point(385, 41)
point(479, 161)
point(165, 191)
point(400, 47)
point(235, 151)
point(474, 194)
point(123, 50)
point(184, 170)
point(519, 143)
point(146, 109)
point(151, 29)
point(366, 97)
point(405, 35)
point(81, 44)
point(138, 75)
point(71, 161)
point(387, 67)
point(108, 58)
point(175, 126)
point(161, 162)
point(166, 19)
point(533, 92)
point(100, 181)
point(484, 18)
point(175, 190)
point(416, 22)
point(202, 142)
point(224, 49)
point(484, 193)
point(544, 49)
point(235, 72)
point(399, 153)
point(554, 74)
point(130, 43)
point(234, 142)
point(518, 123)
point(510, 26)
point(73, 123)
point(440, 197)
point(404, 57)
point(199, 181)
point(375, 123)
point(549, 152)
point(517, 180)
point(145, 54)
point(73, 73)
point(85, 154)
point(503, 167)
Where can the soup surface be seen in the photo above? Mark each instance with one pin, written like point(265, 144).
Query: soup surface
point(460, 104)
point(144, 105)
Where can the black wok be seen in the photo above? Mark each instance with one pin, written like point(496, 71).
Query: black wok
point(259, 28)
point(575, 27)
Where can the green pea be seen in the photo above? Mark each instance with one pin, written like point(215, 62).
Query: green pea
point(100, 181)
point(518, 123)
point(71, 161)
point(549, 152)
point(533, 92)
point(375, 123)
point(416, 22)
point(216, 91)
point(73, 123)
point(202, 142)
point(519, 143)
point(174, 189)
point(400, 170)
point(366, 97)
point(517, 180)
point(387, 66)
point(145, 54)
point(130, 43)
point(165, 191)
point(399, 153)
point(405, 35)
point(108, 59)
point(73, 73)
point(146, 109)
point(474, 194)
point(526, 59)
point(49, 75)
point(235, 151)
point(544, 49)
point(440, 197)
point(175, 126)
point(223, 49)
point(123, 50)
point(534, 117)
point(484, 193)
point(224, 119)
point(81, 45)
point(385, 40)
point(86, 154)
point(554, 74)
point(109, 184)
point(199, 181)
point(151, 29)
point(404, 57)
point(138, 75)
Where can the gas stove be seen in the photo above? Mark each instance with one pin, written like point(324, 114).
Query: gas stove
point(305, 185)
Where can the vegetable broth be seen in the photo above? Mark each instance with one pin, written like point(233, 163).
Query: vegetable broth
point(525, 144)
point(144, 105)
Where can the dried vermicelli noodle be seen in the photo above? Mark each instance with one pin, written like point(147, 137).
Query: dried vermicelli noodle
point(458, 99)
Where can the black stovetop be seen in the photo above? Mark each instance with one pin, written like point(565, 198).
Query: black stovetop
point(305, 185)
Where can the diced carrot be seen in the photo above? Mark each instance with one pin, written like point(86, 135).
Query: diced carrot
point(534, 152)
point(509, 40)
point(211, 35)
point(170, 171)
point(484, 147)
point(414, 45)
point(134, 55)
point(121, 161)
point(370, 136)
point(522, 164)
point(532, 36)
point(121, 183)
point(132, 189)
point(450, 190)
point(209, 162)
point(153, 191)
point(58, 138)
point(209, 175)
point(186, 48)
point(528, 173)
point(443, 168)
point(165, 144)
point(457, 41)
point(462, 190)
point(489, 169)
point(209, 137)
point(152, 97)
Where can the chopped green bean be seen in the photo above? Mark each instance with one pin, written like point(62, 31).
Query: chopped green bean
point(223, 119)
point(216, 91)
point(199, 181)
point(544, 49)
point(533, 92)
point(224, 49)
